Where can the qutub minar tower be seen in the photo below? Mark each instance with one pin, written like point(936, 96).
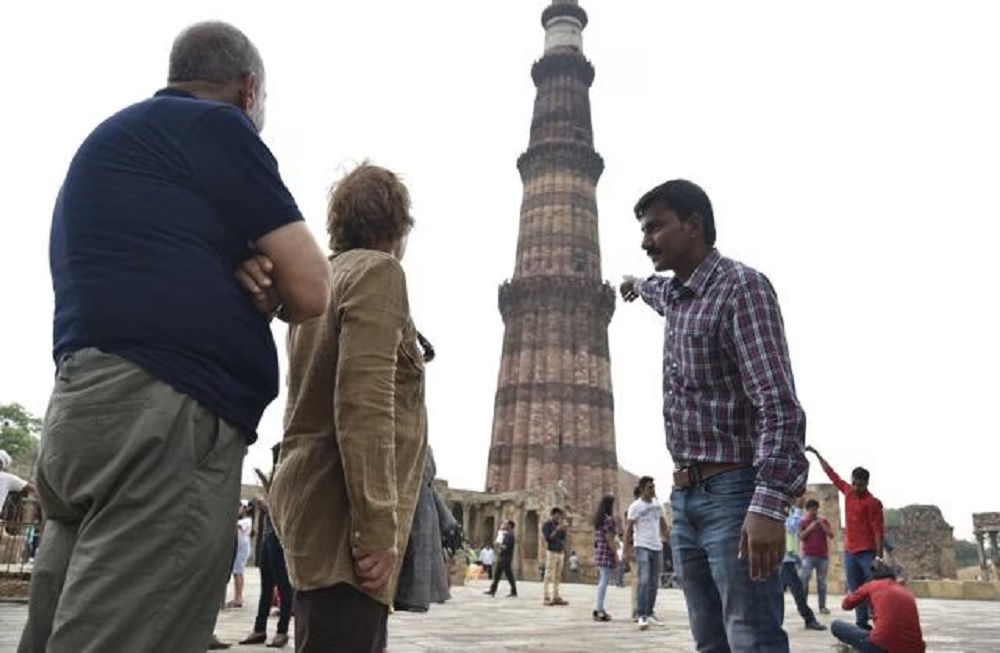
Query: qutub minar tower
point(554, 412)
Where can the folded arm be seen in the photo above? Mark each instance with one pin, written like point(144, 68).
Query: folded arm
point(301, 273)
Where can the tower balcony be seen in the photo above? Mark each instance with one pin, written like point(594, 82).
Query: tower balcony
point(518, 296)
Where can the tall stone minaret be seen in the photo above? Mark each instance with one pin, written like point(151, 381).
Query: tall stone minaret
point(554, 411)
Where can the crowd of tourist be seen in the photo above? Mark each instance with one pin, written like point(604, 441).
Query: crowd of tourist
point(175, 243)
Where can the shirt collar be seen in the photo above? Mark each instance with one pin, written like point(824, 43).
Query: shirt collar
point(698, 282)
point(171, 91)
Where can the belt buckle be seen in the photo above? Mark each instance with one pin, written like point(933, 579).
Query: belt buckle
point(687, 477)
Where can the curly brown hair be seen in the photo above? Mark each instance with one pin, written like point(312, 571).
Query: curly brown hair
point(368, 208)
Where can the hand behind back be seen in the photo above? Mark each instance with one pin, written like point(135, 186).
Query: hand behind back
point(374, 568)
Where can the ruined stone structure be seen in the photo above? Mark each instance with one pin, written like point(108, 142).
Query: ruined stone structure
point(986, 527)
point(481, 515)
point(923, 543)
point(553, 423)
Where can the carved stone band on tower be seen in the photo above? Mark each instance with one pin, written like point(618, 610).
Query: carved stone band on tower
point(554, 409)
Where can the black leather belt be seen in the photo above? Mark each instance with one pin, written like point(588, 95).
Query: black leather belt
point(696, 474)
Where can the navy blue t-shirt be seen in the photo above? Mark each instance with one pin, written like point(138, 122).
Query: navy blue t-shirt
point(159, 206)
point(554, 541)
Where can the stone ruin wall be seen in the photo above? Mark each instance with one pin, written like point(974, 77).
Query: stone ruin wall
point(924, 543)
point(986, 528)
point(481, 514)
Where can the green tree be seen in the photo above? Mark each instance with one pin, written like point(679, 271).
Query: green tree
point(966, 554)
point(892, 516)
point(19, 431)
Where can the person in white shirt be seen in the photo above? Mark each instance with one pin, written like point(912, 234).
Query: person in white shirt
point(10, 482)
point(486, 557)
point(244, 524)
point(644, 536)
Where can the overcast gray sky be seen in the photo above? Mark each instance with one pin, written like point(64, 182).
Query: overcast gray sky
point(851, 151)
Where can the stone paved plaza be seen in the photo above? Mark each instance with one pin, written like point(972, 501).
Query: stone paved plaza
point(473, 622)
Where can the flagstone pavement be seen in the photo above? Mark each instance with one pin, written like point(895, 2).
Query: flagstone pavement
point(475, 623)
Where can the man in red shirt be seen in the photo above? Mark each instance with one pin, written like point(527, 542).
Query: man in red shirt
point(863, 533)
point(897, 622)
point(815, 533)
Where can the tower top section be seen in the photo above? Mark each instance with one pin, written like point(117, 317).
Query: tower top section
point(564, 21)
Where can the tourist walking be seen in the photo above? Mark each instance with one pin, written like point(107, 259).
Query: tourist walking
point(505, 561)
point(605, 545)
point(645, 531)
point(790, 579)
point(273, 575)
point(243, 527)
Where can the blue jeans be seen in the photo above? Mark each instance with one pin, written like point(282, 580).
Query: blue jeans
point(858, 567)
point(821, 565)
point(649, 563)
point(727, 611)
point(602, 586)
point(854, 637)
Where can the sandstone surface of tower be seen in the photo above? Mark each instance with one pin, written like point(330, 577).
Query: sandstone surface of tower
point(553, 424)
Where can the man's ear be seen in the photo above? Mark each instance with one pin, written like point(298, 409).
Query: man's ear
point(249, 87)
point(697, 226)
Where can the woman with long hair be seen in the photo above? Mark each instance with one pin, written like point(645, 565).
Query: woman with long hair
point(605, 546)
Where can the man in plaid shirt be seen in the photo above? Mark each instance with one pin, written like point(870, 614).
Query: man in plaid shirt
point(734, 426)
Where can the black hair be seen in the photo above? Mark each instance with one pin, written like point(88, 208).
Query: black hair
point(555, 511)
point(644, 481)
point(880, 569)
point(636, 491)
point(686, 199)
point(861, 474)
point(604, 508)
point(812, 503)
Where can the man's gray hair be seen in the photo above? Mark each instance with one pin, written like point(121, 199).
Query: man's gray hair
point(213, 52)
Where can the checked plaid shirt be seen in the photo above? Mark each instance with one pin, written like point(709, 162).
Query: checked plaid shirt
point(728, 391)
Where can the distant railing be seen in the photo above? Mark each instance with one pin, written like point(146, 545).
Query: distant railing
point(20, 533)
point(18, 545)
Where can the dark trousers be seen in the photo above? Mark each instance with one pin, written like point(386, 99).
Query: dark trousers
point(489, 571)
point(273, 573)
point(791, 581)
point(504, 568)
point(341, 618)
